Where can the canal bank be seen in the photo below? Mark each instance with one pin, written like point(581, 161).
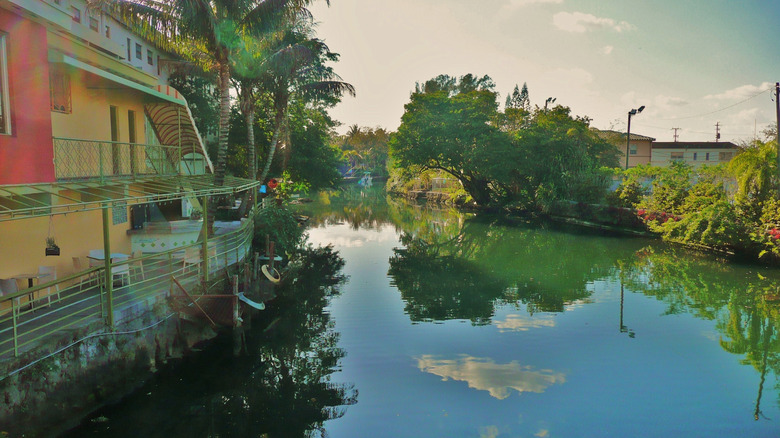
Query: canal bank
point(453, 324)
point(72, 355)
point(55, 392)
point(271, 377)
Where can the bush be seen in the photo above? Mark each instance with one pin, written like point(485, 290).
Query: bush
point(282, 228)
point(716, 225)
point(628, 195)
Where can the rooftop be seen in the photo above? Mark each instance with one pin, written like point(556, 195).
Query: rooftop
point(609, 135)
point(694, 145)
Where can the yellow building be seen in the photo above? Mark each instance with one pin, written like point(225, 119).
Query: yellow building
point(98, 155)
point(639, 147)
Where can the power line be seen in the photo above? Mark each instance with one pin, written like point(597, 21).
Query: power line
point(722, 109)
point(643, 125)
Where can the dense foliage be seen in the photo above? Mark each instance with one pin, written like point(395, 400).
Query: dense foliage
point(365, 150)
point(730, 207)
point(522, 156)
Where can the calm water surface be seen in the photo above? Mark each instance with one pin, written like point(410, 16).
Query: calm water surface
point(456, 325)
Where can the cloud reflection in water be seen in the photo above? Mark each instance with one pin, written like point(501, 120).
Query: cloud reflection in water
point(485, 374)
point(522, 323)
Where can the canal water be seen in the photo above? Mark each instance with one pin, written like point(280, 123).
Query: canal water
point(434, 323)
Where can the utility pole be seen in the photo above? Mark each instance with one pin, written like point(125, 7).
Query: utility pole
point(717, 132)
point(777, 137)
point(675, 134)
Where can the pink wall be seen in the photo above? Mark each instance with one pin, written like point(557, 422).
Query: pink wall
point(26, 156)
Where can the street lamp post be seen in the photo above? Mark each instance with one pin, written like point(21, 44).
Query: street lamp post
point(633, 112)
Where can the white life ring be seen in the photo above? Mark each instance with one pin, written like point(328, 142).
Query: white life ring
point(275, 278)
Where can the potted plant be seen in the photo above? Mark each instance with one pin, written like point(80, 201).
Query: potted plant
point(51, 247)
point(196, 214)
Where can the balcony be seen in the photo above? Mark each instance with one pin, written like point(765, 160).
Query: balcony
point(47, 316)
point(76, 159)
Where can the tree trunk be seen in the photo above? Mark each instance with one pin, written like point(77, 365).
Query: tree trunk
point(478, 189)
point(224, 125)
point(248, 107)
point(278, 122)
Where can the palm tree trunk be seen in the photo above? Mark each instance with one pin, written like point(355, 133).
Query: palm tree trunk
point(224, 125)
point(249, 116)
point(278, 123)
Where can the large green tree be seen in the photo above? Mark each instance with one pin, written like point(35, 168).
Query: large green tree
point(558, 156)
point(449, 125)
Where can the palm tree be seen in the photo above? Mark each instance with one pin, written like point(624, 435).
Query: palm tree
point(207, 32)
point(299, 77)
point(250, 64)
point(754, 169)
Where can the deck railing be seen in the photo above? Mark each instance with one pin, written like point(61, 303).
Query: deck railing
point(87, 159)
point(78, 303)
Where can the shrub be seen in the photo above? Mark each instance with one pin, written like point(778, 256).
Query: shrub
point(282, 228)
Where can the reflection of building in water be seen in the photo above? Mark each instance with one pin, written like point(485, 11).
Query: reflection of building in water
point(485, 374)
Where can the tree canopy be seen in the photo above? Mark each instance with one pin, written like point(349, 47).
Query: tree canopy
point(454, 125)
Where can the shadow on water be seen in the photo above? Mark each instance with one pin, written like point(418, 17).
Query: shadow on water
point(278, 386)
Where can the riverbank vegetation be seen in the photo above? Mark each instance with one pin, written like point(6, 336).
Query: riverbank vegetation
point(521, 157)
point(547, 161)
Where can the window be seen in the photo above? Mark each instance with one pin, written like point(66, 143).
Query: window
point(677, 156)
point(632, 149)
point(94, 24)
point(128, 50)
point(138, 51)
point(76, 14)
point(707, 156)
point(59, 87)
point(149, 57)
point(108, 31)
point(694, 155)
point(5, 119)
point(725, 156)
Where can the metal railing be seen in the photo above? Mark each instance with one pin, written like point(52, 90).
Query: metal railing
point(87, 159)
point(78, 303)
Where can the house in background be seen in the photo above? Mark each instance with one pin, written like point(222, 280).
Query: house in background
point(639, 147)
point(696, 154)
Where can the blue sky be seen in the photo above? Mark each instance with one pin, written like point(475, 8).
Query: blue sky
point(687, 61)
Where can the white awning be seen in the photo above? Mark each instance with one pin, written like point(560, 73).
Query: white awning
point(168, 112)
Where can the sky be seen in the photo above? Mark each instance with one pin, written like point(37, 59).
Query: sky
point(692, 63)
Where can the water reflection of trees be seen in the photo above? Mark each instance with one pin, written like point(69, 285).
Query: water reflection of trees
point(360, 207)
point(744, 304)
point(465, 271)
point(278, 386)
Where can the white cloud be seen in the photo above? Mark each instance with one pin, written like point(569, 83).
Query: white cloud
point(485, 374)
point(668, 102)
point(742, 92)
point(606, 50)
point(580, 22)
point(521, 3)
point(574, 77)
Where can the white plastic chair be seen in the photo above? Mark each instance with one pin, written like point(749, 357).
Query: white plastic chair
point(78, 266)
point(8, 287)
point(137, 266)
point(121, 271)
point(191, 257)
point(47, 274)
